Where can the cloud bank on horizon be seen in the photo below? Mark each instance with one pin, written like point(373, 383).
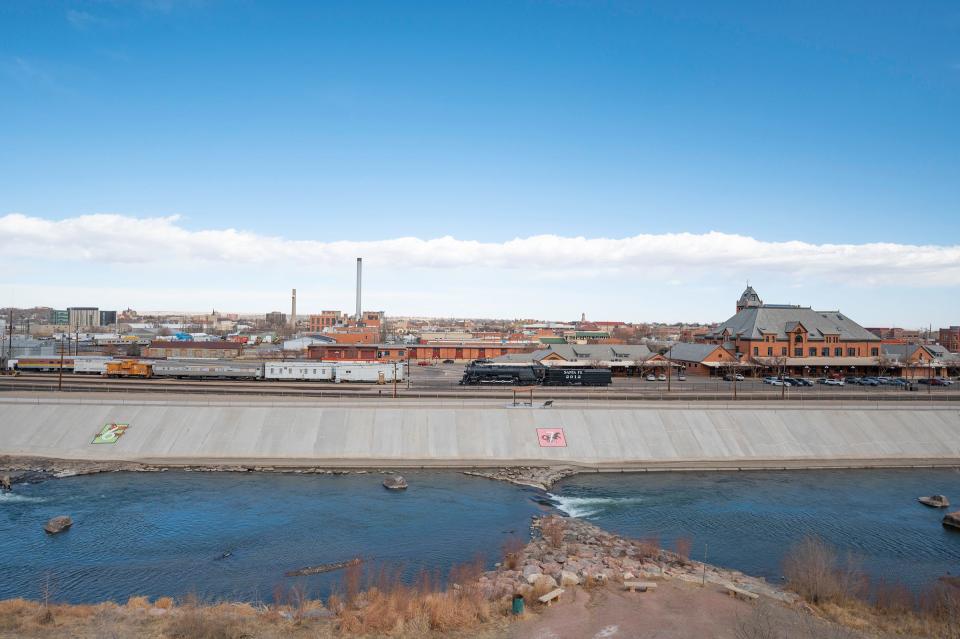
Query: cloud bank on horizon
point(121, 239)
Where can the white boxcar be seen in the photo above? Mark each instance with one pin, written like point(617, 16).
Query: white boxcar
point(91, 365)
point(368, 372)
point(315, 371)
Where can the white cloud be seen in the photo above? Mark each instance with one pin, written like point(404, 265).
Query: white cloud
point(119, 239)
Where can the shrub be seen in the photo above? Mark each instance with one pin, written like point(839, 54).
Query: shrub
point(513, 552)
point(683, 546)
point(814, 571)
point(649, 547)
point(552, 530)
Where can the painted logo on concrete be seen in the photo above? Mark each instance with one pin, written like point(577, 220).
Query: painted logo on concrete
point(551, 437)
point(110, 433)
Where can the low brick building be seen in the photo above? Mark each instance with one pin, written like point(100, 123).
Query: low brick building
point(204, 350)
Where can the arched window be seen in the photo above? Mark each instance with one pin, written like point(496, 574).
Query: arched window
point(798, 338)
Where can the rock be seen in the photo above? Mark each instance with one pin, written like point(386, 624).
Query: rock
point(395, 482)
point(531, 569)
point(568, 578)
point(5, 483)
point(952, 520)
point(534, 577)
point(934, 501)
point(58, 524)
point(545, 582)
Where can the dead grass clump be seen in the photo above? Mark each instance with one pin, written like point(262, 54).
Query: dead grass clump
point(14, 611)
point(552, 530)
point(649, 547)
point(455, 610)
point(893, 599)
point(513, 552)
point(138, 603)
point(468, 572)
point(682, 546)
point(814, 571)
point(164, 602)
point(193, 622)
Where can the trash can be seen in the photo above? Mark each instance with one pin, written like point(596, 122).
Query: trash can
point(518, 604)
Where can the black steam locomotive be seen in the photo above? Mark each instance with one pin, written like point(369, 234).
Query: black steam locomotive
point(478, 373)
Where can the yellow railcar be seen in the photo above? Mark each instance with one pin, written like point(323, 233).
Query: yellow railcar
point(129, 368)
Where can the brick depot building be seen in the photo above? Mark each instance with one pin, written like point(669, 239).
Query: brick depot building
point(801, 340)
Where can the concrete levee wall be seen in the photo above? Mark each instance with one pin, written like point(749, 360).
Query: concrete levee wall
point(601, 438)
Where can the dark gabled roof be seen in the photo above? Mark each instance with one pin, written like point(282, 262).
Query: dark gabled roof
point(779, 319)
point(687, 352)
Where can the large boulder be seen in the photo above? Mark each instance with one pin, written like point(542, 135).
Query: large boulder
point(568, 578)
point(58, 524)
point(952, 520)
point(5, 483)
point(934, 501)
point(545, 582)
point(395, 482)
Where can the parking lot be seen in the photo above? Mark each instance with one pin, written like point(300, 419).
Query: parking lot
point(439, 377)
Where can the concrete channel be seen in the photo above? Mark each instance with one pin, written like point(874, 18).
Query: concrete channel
point(640, 436)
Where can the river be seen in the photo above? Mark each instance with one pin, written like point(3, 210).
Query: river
point(168, 533)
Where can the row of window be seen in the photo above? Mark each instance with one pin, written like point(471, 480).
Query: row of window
point(812, 351)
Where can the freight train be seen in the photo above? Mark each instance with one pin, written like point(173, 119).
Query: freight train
point(534, 374)
point(375, 372)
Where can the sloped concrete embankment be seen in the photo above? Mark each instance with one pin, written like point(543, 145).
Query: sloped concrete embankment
point(603, 439)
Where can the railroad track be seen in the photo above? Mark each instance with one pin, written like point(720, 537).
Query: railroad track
point(84, 384)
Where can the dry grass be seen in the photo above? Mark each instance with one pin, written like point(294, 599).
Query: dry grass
point(682, 547)
point(649, 547)
point(839, 593)
point(815, 572)
point(513, 552)
point(552, 530)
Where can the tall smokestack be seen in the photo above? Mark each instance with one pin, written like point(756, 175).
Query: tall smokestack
point(359, 284)
point(293, 309)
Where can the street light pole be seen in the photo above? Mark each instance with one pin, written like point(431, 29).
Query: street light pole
point(394, 379)
point(669, 367)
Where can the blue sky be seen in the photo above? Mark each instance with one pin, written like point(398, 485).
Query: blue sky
point(485, 121)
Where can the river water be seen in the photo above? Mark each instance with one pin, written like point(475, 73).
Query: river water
point(748, 520)
point(167, 533)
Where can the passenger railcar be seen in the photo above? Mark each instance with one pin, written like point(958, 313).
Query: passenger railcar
point(208, 370)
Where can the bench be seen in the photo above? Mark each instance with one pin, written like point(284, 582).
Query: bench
point(550, 596)
point(642, 586)
point(740, 593)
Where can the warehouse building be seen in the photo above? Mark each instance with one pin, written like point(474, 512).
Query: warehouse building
point(199, 350)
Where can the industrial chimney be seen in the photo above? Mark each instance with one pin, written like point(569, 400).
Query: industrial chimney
point(359, 284)
point(293, 310)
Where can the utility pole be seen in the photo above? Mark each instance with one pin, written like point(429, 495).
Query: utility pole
point(408, 367)
point(669, 366)
point(60, 374)
point(394, 379)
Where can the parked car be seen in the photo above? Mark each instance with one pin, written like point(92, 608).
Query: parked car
point(661, 377)
point(854, 380)
point(729, 377)
point(945, 381)
point(870, 381)
point(769, 380)
point(780, 382)
point(681, 377)
point(834, 382)
point(448, 361)
point(898, 382)
point(802, 381)
point(651, 377)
